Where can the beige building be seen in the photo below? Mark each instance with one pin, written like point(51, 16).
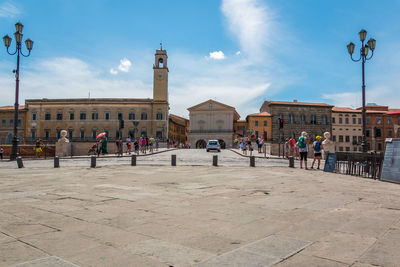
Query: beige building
point(86, 117)
point(7, 124)
point(347, 129)
point(211, 120)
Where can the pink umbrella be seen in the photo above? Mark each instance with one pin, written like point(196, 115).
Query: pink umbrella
point(100, 135)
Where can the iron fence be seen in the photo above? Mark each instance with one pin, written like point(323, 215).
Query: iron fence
point(368, 165)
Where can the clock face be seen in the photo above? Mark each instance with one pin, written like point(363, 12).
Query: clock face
point(160, 76)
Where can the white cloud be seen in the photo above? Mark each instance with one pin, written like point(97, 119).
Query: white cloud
point(113, 71)
point(237, 53)
point(250, 21)
point(218, 55)
point(124, 65)
point(8, 10)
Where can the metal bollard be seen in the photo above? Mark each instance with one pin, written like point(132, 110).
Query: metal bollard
point(215, 160)
point(291, 162)
point(93, 162)
point(20, 163)
point(252, 161)
point(133, 160)
point(173, 160)
point(56, 162)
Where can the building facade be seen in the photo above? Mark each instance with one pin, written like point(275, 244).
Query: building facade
point(240, 128)
point(211, 120)
point(347, 129)
point(314, 118)
point(178, 129)
point(84, 118)
point(259, 125)
point(7, 124)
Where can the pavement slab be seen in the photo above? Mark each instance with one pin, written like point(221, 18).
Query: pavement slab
point(52, 261)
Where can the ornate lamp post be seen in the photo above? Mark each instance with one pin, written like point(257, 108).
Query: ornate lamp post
point(363, 57)
point(29, 44)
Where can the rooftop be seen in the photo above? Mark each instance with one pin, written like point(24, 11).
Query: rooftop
point(345, 109)
point(11, 108)
point(178, 120)
point(260, 114)
point(90, 100)
point(295, 102)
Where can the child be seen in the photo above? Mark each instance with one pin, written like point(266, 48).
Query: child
point(317, 146)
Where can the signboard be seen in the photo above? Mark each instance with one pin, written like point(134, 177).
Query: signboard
point(330, 162)
point(391, 162)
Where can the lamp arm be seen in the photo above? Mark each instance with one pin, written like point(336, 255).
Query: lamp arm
point(29, 53)
point(372, 54)
point(16, 50)
point(351, 56)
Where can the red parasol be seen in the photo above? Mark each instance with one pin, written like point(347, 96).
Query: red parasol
point(100, 135)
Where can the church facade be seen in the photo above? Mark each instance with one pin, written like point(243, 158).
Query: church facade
point(84, 118)
point(211, 120)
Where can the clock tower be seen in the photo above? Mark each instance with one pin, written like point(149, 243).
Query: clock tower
point(160, 79)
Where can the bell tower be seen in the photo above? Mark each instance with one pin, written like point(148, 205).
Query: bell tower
point(160, 79)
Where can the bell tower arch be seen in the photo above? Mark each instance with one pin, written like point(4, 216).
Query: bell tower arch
point(160, 79)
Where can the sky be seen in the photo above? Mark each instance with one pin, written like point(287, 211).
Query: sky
point(238, 52)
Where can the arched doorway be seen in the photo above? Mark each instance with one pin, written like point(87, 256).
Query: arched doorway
point(201, 144)
point(222, 143)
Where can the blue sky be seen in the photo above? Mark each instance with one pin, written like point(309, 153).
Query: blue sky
point(239, 52)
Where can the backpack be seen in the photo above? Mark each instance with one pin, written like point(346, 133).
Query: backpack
point(302, 142)
point(317, 146)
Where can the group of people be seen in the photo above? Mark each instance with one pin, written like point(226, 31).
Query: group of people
point(299, 149)
point(245, 145)
point(136, 145)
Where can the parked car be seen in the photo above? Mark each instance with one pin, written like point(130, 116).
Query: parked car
point(213, 145)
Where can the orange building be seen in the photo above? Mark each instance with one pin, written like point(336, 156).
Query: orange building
point(178, 129)
point(239, 127)
point(259, 125)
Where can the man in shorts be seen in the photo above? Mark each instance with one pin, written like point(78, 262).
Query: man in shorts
point(302, 145)
point(317, 146)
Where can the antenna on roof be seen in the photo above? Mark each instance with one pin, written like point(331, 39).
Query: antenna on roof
point(161, 45)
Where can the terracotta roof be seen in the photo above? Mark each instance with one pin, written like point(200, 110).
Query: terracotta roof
point(344, 109)
point(178, 120)
point(243, 121)
point(260, 114)
point(90, 100)
point(393, 113)
point(11, 107)
point(297, 103)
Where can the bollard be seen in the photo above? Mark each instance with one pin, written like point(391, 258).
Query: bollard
point(133, 160)
point(215, 160)
point(173, 160)
point(93, 162)
point(20, 163)
point(56, 162)
point(291, 162)
point(252, 161)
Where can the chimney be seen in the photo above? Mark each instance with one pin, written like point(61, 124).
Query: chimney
point(295, 101)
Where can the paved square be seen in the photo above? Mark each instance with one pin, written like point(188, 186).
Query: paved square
point(118, 215)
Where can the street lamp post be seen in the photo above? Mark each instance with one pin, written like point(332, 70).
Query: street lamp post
point(363, 57)
point(29, 44)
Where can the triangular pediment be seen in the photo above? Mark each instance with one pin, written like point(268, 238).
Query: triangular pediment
point(210, 105)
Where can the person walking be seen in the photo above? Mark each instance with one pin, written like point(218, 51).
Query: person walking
point(104, 142)
point(136, 146)
point(302, 144)
point(287, 148)
point(143, 144)
point(317, 146)
point(292, 144)
point(1, 152)
point(128, 145)
point(38, 148)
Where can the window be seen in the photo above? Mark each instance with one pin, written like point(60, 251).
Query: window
point(107, 116)
point(132, 116)
point(70, 134)
point(340, 148)
point(59, 116)
point(378, 121)
point(256, 123)
point(324, 119)
point(47, 116)
point(313, 119)
point(354, 140)
point(378, 132)
point(3, 123)
point(159, 116)
point(389, 121)
point(379, 146)
point(119, 116)
point(11, 123)
point(347, 138)
point(340, 120)
point(333, 120)
point(34, 116)
point(367, 133)
point(359, 120)
point(94, 133)
point(390, 133)
point(265, 123)
point(354, 121)
point(143, 132)
point(82, 116)
point(368, 120)
point(347, 120)
point(71, 116)
point(159, 134)
point(143, 116)
point(256, 134)
point(340, 138)
point(291, 119)
point(95, 116)
point(302, 119)
point(334, 138)
point(347, 148)
point(47, 134)
point(33, 134)
point(82, 134)
point(3, 140)
point(19, 122)
point(360, 139)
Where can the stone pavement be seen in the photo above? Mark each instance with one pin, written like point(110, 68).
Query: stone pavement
point(118, 215)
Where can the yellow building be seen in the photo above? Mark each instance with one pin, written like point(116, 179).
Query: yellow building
point(7, 124)
point(259, 125)
point(84, 118)
point(240, 128)
point(178, 129)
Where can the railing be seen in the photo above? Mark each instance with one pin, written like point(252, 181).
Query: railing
point(368, 165)
point(211, 131)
